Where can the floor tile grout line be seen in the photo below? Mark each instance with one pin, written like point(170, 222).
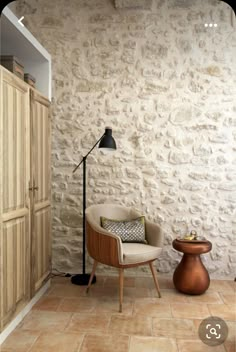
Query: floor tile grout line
point(68, 323)
point(62, 299)
point(30, 349)
point(152, 327)
point(133, 309)
point(176, 342)
point(80, 344)
point(109, 323)
point(129, 343)
point(221, 296)
point(171, 310)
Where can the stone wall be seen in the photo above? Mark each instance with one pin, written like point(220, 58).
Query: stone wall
point(166, 85)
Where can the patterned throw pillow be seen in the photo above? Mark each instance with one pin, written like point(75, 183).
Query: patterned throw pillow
point(128, 230)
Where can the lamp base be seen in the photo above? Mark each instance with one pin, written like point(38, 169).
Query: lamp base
point(82, 279)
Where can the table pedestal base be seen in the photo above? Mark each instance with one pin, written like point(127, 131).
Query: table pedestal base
point(191, 276)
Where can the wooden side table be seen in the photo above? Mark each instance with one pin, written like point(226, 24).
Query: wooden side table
point(191, 276)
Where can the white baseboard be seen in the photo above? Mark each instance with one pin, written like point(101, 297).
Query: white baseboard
point(4, 334)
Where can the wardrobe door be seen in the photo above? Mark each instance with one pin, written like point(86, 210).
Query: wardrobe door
point(41, 190)
point(14, 195)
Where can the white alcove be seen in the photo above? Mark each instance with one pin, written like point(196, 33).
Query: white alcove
point(16, 40)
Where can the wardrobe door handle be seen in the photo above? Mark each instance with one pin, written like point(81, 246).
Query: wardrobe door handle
point(34, 188)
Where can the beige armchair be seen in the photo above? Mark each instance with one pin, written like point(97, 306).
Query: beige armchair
point(106, 248)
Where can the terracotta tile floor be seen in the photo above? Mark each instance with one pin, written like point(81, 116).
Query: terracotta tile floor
point(67, 320)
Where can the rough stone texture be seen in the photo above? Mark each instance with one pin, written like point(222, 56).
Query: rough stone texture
point(166, 85)
point(131, 4)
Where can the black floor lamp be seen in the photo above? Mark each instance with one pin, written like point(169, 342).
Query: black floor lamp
point(105, 142)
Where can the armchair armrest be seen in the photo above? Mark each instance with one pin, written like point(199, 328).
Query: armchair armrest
point(103, 246)
point(154, 234)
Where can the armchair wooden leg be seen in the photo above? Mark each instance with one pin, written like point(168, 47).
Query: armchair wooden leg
point(121, 278)
point(95, 263)
point(155, 278)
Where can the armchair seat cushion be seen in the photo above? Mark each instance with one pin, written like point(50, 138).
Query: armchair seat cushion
point(134, 253)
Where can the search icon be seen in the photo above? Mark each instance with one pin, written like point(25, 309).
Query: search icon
point(213, 331)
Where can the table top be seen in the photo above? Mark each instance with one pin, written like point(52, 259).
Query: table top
point(192, 247)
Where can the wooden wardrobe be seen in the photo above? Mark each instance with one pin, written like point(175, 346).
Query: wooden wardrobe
point(25, 204)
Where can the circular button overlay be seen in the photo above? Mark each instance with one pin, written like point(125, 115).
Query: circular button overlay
point(213, 331)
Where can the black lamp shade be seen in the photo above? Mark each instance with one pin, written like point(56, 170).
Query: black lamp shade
point(107, 141)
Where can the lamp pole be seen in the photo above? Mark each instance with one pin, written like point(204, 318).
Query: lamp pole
point(84, 207)
point(106, 142)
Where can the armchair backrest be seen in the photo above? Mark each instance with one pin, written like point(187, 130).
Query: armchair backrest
point(106, 247)
point(111, 211)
